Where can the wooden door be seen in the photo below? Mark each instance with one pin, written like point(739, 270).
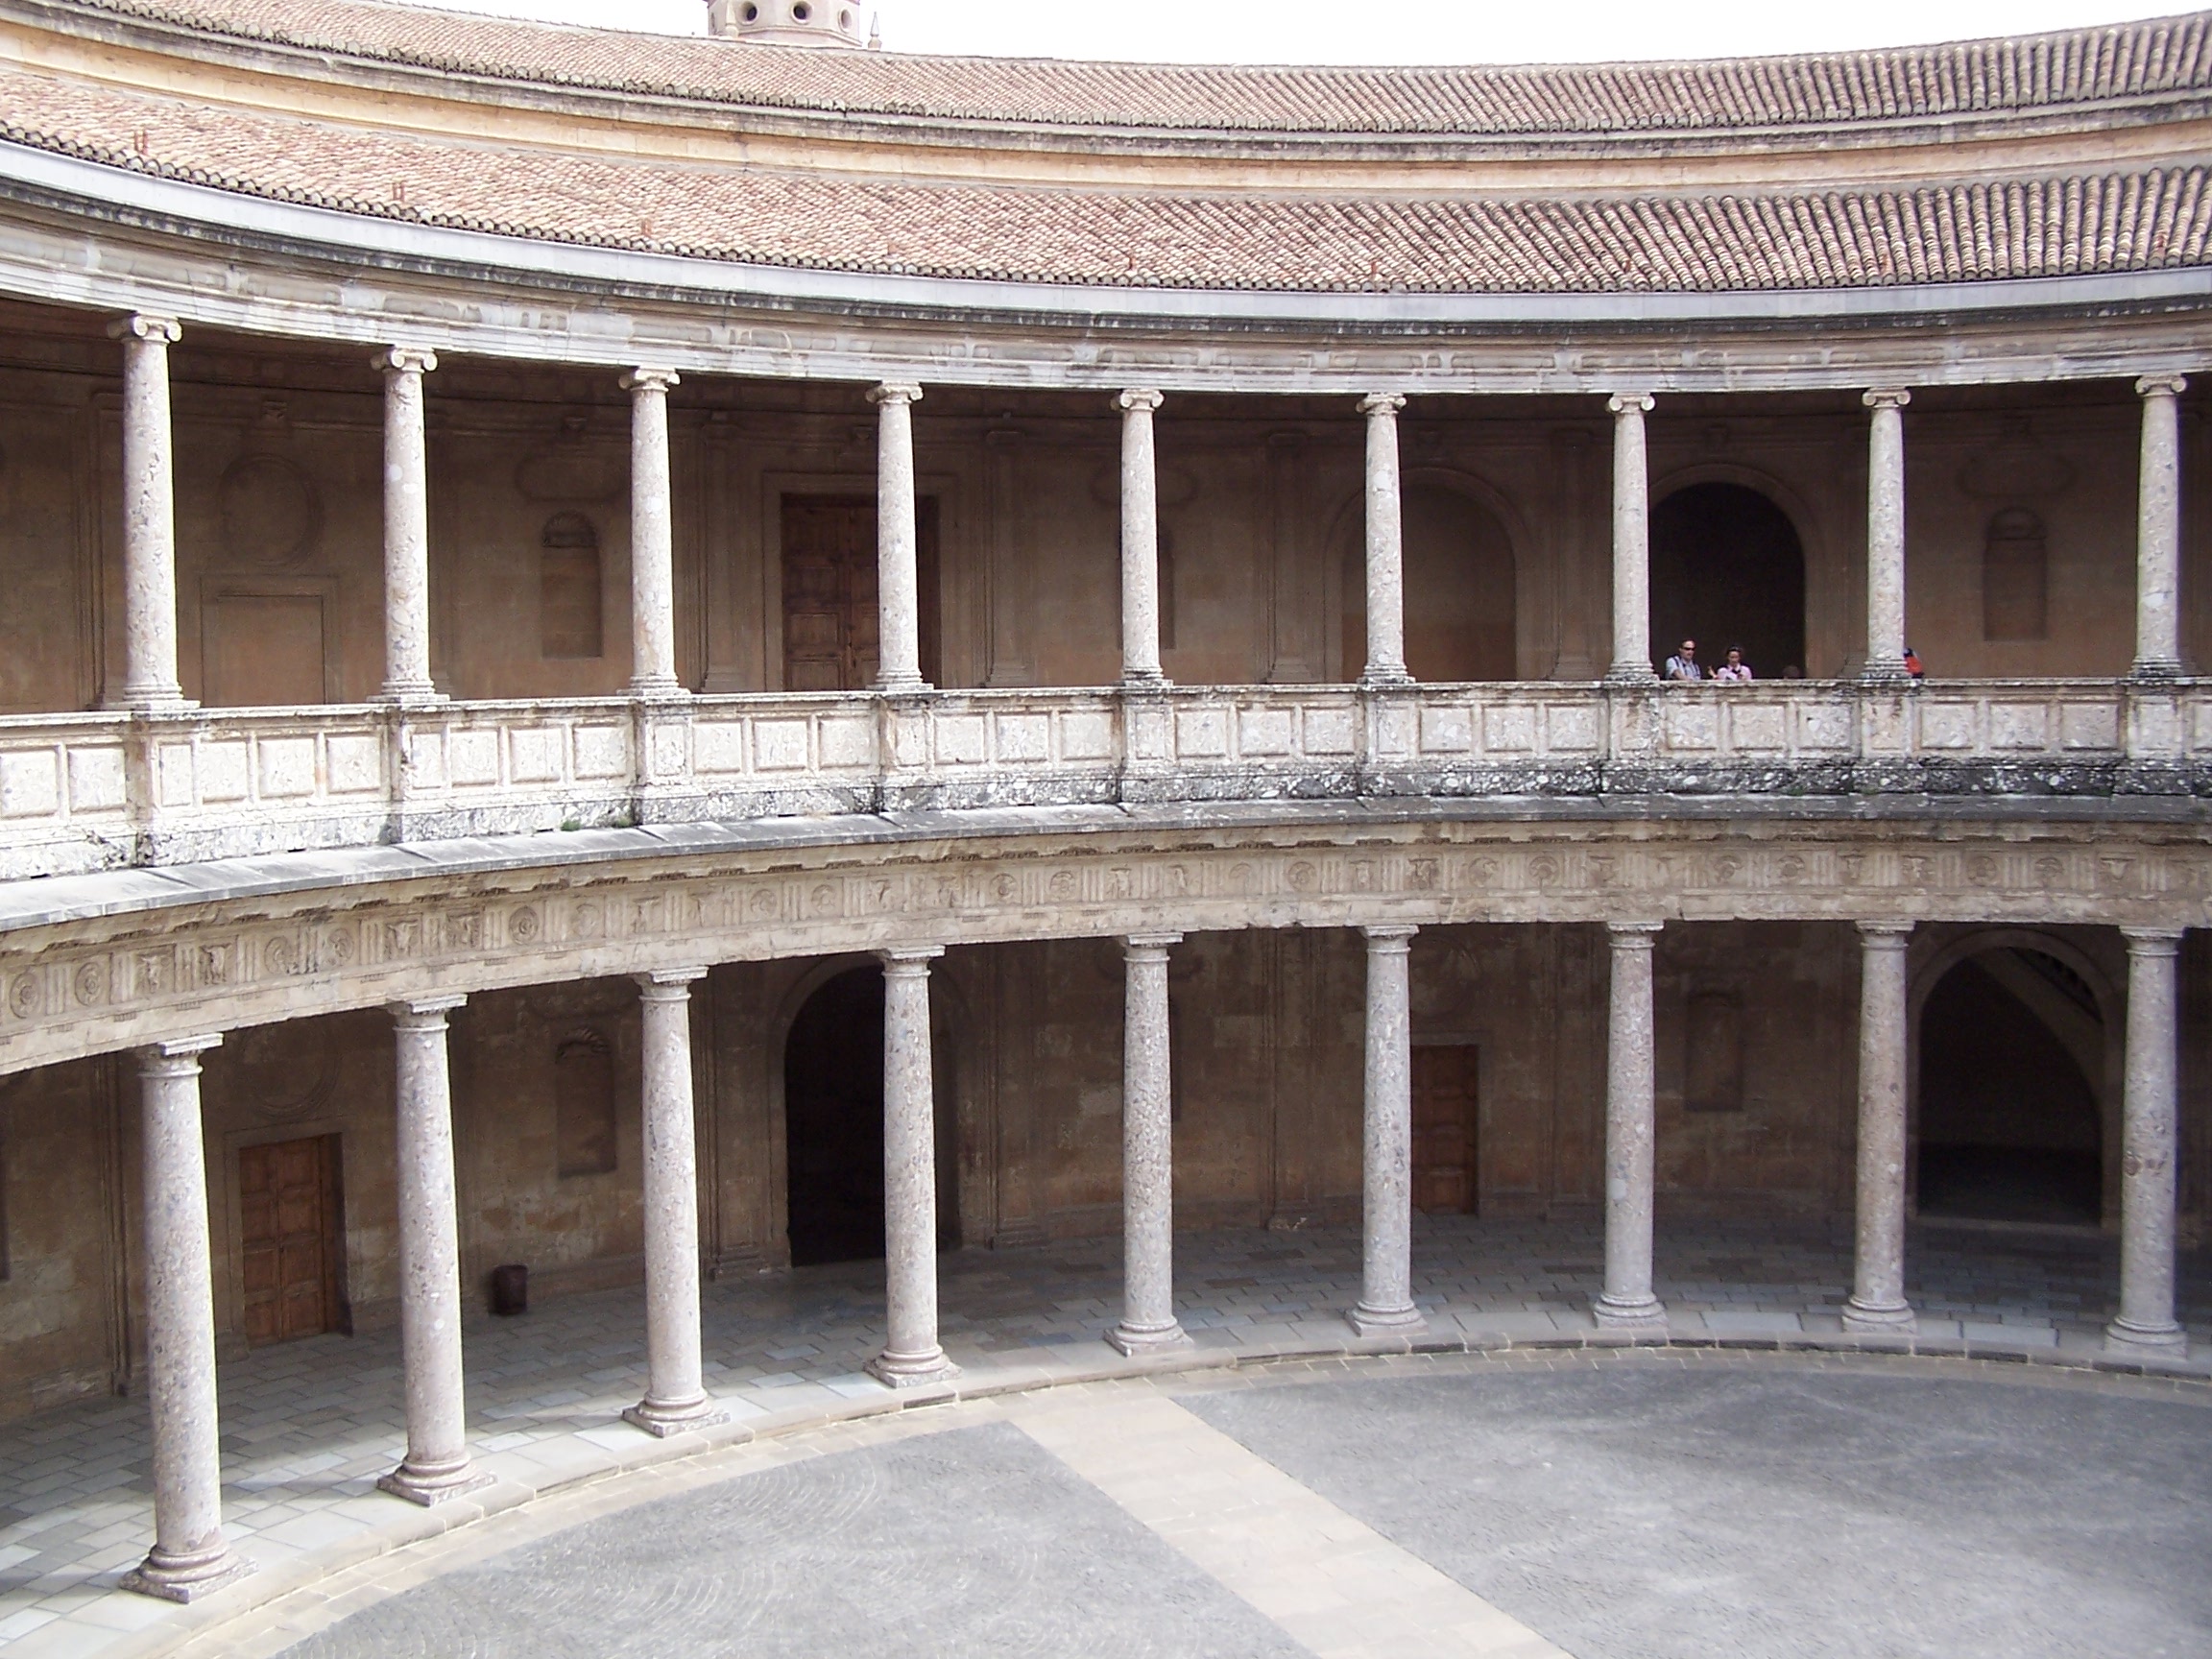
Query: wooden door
point(1443, 1122)
point(829, 614)
point(289, 1232)
point(263, 650)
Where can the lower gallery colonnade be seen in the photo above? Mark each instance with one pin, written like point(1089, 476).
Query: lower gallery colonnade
point(190, 1556)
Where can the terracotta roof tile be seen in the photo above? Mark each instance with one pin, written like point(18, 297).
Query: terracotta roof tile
point(2132, 60)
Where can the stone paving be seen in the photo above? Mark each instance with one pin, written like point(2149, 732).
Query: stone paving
point(308, 1426)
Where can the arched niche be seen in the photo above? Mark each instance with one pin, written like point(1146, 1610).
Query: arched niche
point(1728, 568)
point(1460, 586)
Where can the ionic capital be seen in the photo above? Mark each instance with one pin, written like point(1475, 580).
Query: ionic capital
point(1886, 397)
point(2161, 386)
point(893, 391)
point(1142, 397)
point(405, 360)
point(1382, 404)
point(1631, 403)
point(1634, 935)
point(1148, 947)
point(910, 959)
point(1885, 935)
point(2152, 941)
point(649, 379)
point(424, 1013)
point(1383, 935)
point(145, 326)
point(668, 984)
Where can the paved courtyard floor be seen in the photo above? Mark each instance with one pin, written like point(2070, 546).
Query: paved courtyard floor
point(308, 1426)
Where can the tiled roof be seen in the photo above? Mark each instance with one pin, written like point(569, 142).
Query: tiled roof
point(2134, 61)
point(2103, 222)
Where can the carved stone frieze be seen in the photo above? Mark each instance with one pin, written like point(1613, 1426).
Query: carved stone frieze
point(90, 986)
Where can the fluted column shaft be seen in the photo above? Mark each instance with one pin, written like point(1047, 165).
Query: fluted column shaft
point(1385, 1303)
point(1885, 535)
point(148, 517)
point(1631, 542)
point(898, 586)
point(675, 1395)
point(1630, 1130)
point(1139, 540)
point(2158, 530)
point(651, 536)
point(1877, 1301)
point(1147, 1152)
point(190, 1556)
point(437, 1465)
point(406, 526)
point(2146, 1324)
point(913, 1355)
point(1385, 545)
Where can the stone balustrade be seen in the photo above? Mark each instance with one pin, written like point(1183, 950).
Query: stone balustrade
point(82, 792)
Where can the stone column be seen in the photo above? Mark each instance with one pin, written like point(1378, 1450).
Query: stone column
point(1147, 1153)
point(406, 527)
point(1886, 537)
point(1631, 542)
point(437, 1465)
point(652, 550)
point(1139, 540)
point(913, 1355)
point(2146, 1324)
point(2159, 531)
point(190, 1556)
point(898, 588)
point(1385, 1306)
point(675, 1396)
point(1877, 1301)
point(1626, 1301)
point(1385, 545)
point(149, 517)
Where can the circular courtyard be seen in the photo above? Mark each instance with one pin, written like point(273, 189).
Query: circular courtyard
point(1607, 1505)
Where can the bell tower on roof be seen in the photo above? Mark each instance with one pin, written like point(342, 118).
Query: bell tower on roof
point(789, 22)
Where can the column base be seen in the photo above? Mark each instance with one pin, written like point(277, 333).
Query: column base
point(2156, 669)
point(1369, 1321)
point(1133, 1339)
point(1155, 681)
point(912, 1370)
point(436, 1488)
point(2165, 1342)
point(1387, 680)
point(902, 688)
point(1646, 1314)
point(405, 697)
point(1895, 1320)
point(1889, 676)
point(1630, 674)
point(187, 1577)
point(664, 1421)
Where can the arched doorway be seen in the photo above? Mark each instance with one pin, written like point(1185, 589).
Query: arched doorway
point(1727, 569)
point(833, 1120)
point(2010, 1042)
point(1459, 589)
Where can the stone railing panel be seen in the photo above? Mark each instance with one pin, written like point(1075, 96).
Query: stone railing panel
point(64, 796)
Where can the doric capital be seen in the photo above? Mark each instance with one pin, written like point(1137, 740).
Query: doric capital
point(895, 392)
point(1634, 935)
point(1148, 947)
point(1886, 397)
point(1143, 398)
point(1631, 403)
point(671, 984)
point(2152, 941)
point(424, 1013)
point(1382, 404)
point(649, 379)
point(1885, 935)
point(405, 360)
point(145, 326)
point(911, 958)
point(178, 1057)
point(2161, 386)
point(1383, 935)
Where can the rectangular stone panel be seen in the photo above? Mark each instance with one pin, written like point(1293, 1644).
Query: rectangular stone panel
point(30, 783)
point(534, 754)
point(602, 751)
point(848, 741)
point(2017, 726)
point(220, 771)
point(1023, 737)
point(1331, 731)
point(1201, 735)
point(1757, 728)
point(1447, 729)
point(779, 745)
point(1086, 735)
point(474, 759)
point(1265, 731)
point(2089, 725)
point(718, 747)
point(287, 769)
point(96, 779)
point(1510, 731)
point(356, 762)
point(958, 739)
point(1947, 726)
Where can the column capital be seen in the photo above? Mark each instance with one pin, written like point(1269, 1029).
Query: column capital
point(895, 392)
point(1140, 946)
point(1144, 398)
point(145, 326)
point(1886, 397)
point(2161, 386)
point(649, 379)
point(1885, 935)
point(405, 360)
point(1377, 403)
point(424, 1013)
point(1634, 935)
point(1631, 403)
point(669, 983)
point(2152, 941)
point(178, 1057)
point(1383, 935)
point(909, 958)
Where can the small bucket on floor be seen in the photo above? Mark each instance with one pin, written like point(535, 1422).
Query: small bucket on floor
point(511, 1289)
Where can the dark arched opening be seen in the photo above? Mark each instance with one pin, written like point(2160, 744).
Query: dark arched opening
point(1727, 569)
point(833, 1122)
point(1459, 585)
point(2009, 1121)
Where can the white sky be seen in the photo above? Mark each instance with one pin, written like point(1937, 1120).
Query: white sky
point(1390, 31)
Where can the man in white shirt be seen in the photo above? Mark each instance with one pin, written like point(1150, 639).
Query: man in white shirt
point(1683, 664)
